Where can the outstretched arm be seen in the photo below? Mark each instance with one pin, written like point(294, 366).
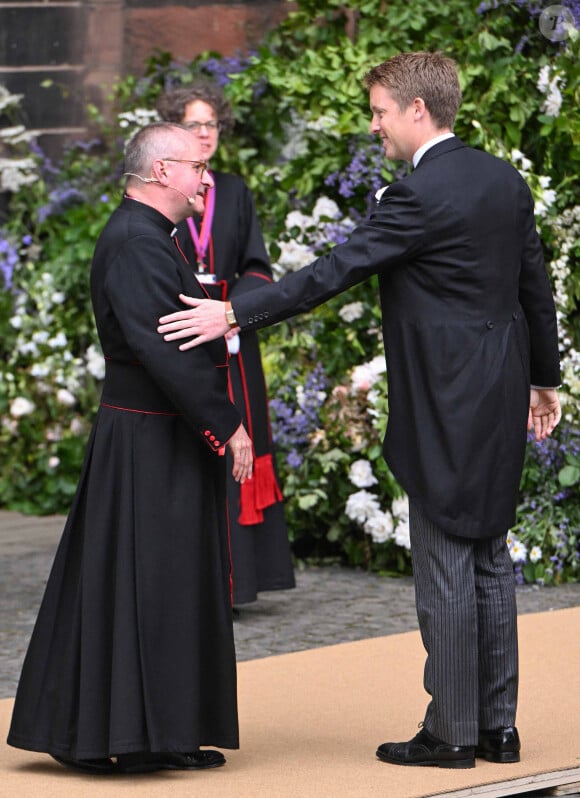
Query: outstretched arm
point(394, 232)
point(206, 320)
point(545, 412)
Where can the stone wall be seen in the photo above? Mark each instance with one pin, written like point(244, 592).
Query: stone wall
point(63, 54)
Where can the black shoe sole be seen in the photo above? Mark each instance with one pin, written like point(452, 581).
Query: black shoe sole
point(143, 767)
point(81, 766)
point(499, 757)
point(151, 767)
point(455, 764)
point(193, 767)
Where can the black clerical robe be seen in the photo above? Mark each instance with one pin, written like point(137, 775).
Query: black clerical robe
point(237, 259)
point(133, 647)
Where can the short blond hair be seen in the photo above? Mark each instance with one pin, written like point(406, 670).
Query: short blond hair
point(430, 76)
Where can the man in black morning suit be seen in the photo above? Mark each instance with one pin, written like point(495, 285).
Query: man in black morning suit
point(469, 326)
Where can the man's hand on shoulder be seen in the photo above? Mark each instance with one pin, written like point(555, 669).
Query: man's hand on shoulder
point(204, 321)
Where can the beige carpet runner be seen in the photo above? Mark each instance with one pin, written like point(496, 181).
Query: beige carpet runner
point(311, 721)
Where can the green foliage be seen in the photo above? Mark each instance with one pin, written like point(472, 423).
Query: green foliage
point(548, 519)
point(47, 350)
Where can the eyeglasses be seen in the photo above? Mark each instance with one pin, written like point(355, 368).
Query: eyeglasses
point(198, 166)
point(212, 126)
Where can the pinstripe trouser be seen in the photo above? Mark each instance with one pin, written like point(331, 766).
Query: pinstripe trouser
point(466, 606)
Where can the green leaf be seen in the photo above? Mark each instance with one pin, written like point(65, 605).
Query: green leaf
point(569, 475)
point(308, 501)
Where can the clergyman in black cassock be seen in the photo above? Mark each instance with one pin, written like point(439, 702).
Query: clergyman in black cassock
point(133, 647)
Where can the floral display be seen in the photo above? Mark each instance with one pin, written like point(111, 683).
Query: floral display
point(302, 144)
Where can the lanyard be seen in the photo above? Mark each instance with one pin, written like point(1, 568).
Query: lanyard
point(201, 239)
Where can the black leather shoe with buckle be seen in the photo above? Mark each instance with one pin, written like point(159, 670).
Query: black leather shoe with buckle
point(425, 750)
point(499, 745)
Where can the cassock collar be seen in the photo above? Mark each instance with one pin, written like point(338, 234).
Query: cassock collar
point(135, 206)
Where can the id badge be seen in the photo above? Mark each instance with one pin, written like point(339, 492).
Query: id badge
point(205, 277)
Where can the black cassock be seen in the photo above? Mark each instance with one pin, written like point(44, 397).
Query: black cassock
point(133, 647)
point(237, 257)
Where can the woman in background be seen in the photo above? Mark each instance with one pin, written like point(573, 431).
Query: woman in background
point(224, 246)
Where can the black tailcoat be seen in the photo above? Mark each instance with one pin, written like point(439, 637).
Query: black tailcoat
point(468, 320)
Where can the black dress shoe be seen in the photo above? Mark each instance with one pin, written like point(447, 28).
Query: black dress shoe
point(99, 767)
point(138, 762)
point(147, 761)
point(424, 750)
point(197, 760)
point(499, 745)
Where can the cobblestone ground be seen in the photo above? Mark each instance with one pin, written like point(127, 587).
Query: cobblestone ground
point(329, 605)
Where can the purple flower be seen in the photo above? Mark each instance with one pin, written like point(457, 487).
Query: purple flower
point(574, 7)
point(518, 574)
point(293, 420)
point(47, 169)
point(85, 146)
point(59, 201)
point(521, 44)
point(533, 7)
point(294, 460)
point(8, 261)
point(221, 69)
point(364, 169)
point(562, 495)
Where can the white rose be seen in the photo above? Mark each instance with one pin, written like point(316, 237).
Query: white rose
point(297, 219)
point(402, 535)
point(95, 363)
point(362, 505)
point(21, 407)
point(58, 341)
point(325, 207)
point(361, 474)
point(553, 101)
point(379, 527)
point(351, 312)
point(400, 508)
point(65, 397)
point(76, 426)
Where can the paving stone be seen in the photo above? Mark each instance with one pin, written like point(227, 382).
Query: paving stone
point(329, 605)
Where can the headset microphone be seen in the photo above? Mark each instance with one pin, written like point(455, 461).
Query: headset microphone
point(190, 200)
point(141, 178)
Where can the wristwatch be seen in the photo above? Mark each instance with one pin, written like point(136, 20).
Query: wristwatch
point(231, 316)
